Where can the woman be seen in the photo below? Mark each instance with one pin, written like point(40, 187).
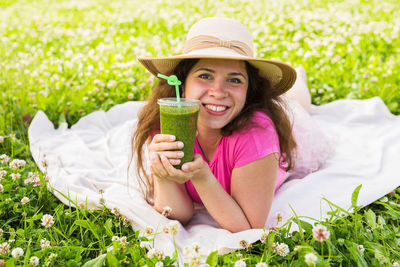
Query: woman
point(244, 144)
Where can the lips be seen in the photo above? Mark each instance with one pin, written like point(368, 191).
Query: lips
point(216, 110)
point(215, 107)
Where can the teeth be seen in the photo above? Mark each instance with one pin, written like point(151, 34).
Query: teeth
point(216, 108)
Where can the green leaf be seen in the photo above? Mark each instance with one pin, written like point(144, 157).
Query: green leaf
point(112, 260)
point(97, 262)
point(354, 196)
point(21, 232)
point(370, 218)
point(61, 118)
point(355, 253)
point(108, 226)
point(10, 263)
point(212, 259)
point(88, 225)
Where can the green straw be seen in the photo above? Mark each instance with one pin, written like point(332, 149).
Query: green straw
point(173, 80)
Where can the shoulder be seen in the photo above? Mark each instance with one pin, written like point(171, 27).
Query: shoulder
point(255, 141)
point(260, 124)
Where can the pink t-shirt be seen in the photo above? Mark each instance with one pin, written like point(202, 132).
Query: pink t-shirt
point(239, 149)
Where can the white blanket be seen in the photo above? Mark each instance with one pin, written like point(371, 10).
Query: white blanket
point(93, 154)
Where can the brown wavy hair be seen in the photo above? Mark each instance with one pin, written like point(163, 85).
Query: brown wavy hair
point(260, 97)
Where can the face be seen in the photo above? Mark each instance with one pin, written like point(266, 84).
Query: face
point(221, 86)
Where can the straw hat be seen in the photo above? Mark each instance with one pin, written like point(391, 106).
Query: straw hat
point(224, 38)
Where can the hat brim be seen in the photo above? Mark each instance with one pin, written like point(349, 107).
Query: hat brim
point(281, 75)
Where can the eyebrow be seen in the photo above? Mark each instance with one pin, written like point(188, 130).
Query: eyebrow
point(230, 74)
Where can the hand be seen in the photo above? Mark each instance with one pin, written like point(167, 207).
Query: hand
point(197, 169)
point(165, 144)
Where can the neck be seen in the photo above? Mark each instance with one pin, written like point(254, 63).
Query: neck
point(208, 141)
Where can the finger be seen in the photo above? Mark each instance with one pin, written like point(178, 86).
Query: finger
point(156, 165)
point(164, 146)
point(193, 165)
point(174, 161)
point(163, 138)
point(173, 154)
point(171, 170)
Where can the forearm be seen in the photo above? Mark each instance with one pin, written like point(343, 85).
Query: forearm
point(172, 194)
point(221, 206)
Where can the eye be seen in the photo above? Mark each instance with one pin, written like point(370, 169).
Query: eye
point(235, 80)
point(205, 76)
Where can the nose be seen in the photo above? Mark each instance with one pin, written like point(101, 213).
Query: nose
point(218, 90)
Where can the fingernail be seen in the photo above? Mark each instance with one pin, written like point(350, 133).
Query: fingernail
point(185, 167)
point(180, 144)
point(180, 154)
point(172, 138)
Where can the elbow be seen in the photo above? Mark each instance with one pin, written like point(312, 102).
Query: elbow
point(182, 215)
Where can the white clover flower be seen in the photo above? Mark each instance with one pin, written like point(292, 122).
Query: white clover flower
point(1, 139)
point(243, 244)
point(115, 238)
point(52, 256)
point(125, 221)
point(34, 261)
point(173, 228)
point(165, 230)
point(281, 249)
point(130, 96)
point(123, 241)
point(161, 255)
point(44, 243)
point(310, 259)
point(320, 233)
point(17, 252)
point(278, 217)
point(33, 177)
point(159, 264)
point(195, 259)
point(3, 173)
point(396, 264)
point(4, 248)
point(264, 236)
point(240, 263)
point(151, 253)
point(261, 264)
point(166, 211)
point(111, 84)
point(47, 220)
point(24, 200)
point(17, 163)
point(116, 212)
point(361, 248)
point(374, 79)
point(15, 176)
point(149, 230)
point(4, 158)
point(1, 188)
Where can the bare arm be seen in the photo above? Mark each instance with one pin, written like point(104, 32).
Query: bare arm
point(167, 192)
point(252, 191)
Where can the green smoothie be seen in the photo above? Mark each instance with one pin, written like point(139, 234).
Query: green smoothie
point(180, 119)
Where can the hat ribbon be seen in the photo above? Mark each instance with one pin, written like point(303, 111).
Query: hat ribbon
point(207, 41)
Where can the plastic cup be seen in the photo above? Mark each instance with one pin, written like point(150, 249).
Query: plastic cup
point(180, 119)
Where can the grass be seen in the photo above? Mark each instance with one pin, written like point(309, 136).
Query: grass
point(69, 58)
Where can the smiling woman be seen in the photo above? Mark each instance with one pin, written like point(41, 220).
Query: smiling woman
point(244, 144)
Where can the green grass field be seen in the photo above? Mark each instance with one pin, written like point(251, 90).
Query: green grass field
point(69, 58)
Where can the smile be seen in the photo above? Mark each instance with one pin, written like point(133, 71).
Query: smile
point(216, 108)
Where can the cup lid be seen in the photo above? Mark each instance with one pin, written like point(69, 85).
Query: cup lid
point(172, 101)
